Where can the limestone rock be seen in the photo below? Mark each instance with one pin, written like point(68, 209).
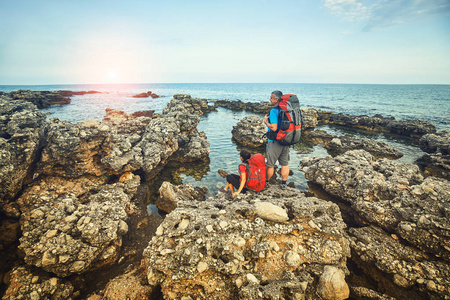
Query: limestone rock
point(437, 160)
point(249, 131)
point(268, 211)
point(332, 285)
point(26, 282)
point(226, 251)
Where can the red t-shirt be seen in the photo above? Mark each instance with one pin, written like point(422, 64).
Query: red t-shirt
point(242, 169)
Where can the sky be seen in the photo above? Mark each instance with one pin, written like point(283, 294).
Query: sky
point(175, 41)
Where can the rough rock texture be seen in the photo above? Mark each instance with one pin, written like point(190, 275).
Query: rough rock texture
point(41, 99)
point(249, 131)
point(65, 233)
point(336, 145)
point(72, 185)
point(262, 107)
point(170, 195)
point(342, 144)
point(411, 128)
point(222, 249)
point(437, 160)
point(25, 282)
point(309, 118)
point(22, 128)
point(397, 200)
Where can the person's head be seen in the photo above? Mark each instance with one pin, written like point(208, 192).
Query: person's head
point(275, 97)
point(245, 155)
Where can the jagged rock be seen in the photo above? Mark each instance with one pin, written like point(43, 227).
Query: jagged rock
point(41, 99)
point(66, 233)
point(221, 249)
point(309, 118)
point(339, 145)
point(395, 198)
point(249, 131)
point(22, 128)
point(128, 286)
point(402, 272)
point(262, 107)
point(25, 282)
point(170, 195)
point(410, 128)
point(437, 161)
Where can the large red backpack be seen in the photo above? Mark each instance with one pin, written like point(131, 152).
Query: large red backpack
point(255, 172)
point(289, 128)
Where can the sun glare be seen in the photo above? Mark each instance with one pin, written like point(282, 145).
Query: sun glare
point(112, 76)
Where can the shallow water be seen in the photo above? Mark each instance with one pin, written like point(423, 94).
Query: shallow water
point(427, 102)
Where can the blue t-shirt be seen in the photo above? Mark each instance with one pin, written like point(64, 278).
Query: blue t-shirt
point(273, 118)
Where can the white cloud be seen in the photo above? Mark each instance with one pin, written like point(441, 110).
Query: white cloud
point(386, 13)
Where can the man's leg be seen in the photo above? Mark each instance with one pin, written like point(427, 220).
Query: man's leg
point(269, 173)
point(284, 173)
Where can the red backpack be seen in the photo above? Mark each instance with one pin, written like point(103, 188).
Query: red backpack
point(255, 172)
point(289, 128)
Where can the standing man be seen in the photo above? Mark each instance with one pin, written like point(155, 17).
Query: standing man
point(274, 150)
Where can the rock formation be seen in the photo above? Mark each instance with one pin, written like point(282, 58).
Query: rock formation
point(402, 236)
point(410, 128)
point(146, 95)
point(437, 160)
point(274, 244)
point(72, 185)
point(249, 131)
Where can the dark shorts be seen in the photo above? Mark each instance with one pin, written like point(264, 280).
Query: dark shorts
point(274, 152)
point(235, 180)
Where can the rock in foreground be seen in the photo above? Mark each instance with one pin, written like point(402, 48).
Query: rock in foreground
point(229, 249)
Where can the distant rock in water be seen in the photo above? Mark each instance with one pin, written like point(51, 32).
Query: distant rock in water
point(146, 95)
point(41, 99)
point(66, 93)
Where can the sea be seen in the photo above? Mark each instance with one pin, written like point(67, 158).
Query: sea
point(403, 102)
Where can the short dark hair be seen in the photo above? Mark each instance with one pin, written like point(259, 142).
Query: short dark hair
point(245, 155)
point(277, 94)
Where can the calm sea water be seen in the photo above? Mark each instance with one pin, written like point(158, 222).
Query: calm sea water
point(426, 102)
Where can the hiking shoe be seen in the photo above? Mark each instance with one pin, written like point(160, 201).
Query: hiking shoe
point(283, 186)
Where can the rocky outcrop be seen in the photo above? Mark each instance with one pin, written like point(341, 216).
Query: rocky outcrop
point(170, 195)
point(25, 282)
point(274, 244)
point(72, 185)
point(66, 93)
point(22, 130)
point(342, 144)
point(66, 233)
point(437, 160)
point(41, 99)
point(411, 128)
point(249, 131)
point(410, 212)
point(262, 107)
point(146, 95)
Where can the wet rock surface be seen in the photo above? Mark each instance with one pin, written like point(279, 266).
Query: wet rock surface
point(146, 95)
point(410, 212)
point(228, 249)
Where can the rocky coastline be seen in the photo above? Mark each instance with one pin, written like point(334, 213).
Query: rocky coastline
point(72, 200)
